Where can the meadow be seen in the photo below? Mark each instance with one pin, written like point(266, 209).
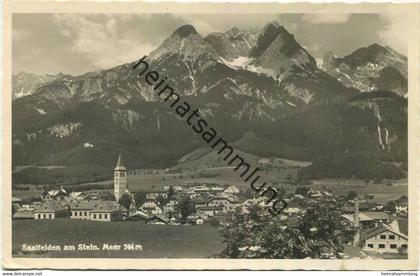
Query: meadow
point(157, 241)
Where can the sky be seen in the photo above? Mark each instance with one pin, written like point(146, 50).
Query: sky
point(78, 43)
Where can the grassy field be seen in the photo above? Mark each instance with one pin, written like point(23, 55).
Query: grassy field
point(382, 193)
point(157, 241)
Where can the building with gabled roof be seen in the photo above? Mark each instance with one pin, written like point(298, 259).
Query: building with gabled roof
point(157, 219)
point(95, 210)
point(26, 214)
point(51, 210)
point(369, 219)
point(384, 239)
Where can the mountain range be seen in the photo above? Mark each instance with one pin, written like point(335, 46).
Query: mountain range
point(262, 91)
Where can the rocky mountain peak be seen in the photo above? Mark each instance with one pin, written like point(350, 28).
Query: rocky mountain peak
point(329, 59)
point(233, 31)
point(267, 36)
point(185, 31)
point(278, 52)
point(370, 68)
point(232, 44)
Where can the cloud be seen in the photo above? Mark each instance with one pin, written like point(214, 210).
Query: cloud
point(326, 18)
point(100, 40)
point(395, 32)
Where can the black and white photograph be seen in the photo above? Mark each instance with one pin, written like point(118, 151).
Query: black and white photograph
point(210, 136)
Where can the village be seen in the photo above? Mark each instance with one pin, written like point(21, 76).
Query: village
point(381, 228)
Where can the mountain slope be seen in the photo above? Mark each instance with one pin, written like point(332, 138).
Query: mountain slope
point(370, 68)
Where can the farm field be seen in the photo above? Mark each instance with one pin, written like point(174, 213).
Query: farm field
point(157, 241)
point(381, 192)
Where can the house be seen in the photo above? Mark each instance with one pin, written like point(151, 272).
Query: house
point(81, 209)
point(51, 210)
point(76, 195)
point(231, 190)
point(369, 219)
point(202, 190)
point(170, 206)
point(173, 221)
point(264, 162)
point(226, 203)
point(292, 208)
point(384, 239)
point(401, 206)
point(151, 207)
point(17, 202)
point(24, 215)
point(216, 190)
point(156, 195)
point(157, 220)
point(29, 207)
point(138, 216)
point(261, 202)
point(209, 211)
point(105, 211)
point(178, 189)
point(200, 202)
point(95, 210)
point(55, 194)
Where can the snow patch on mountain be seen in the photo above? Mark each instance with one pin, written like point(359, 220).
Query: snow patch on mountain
point(40, 111)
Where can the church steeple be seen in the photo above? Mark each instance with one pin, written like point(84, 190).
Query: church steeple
point(120, 164)
point(120, 178)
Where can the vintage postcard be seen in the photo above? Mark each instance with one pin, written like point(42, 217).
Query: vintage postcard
point(210, 136)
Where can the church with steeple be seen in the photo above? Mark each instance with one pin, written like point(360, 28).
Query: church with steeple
point(120, 179)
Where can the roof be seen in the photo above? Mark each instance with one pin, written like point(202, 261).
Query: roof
point(400, 225)
point(368, 216)
point(94, 205)
point(24, 215)
point(157, 217)
point(402, 201)
point(372, 232)
point(200, 200)
point(50, 206)
point(232, 189)
point(210, 208)
point(138, 214)
point(16, 200)
point(151, 208)
point(120, 164)
point(220, 198)
point(377, 215)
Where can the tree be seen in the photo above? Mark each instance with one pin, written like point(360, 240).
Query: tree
point(213, 221)
point(161, 200)
point(140, 198)
point(258, 234)
point(351, 194)
point(186, 207)
point(171, 192)
point(125, 200)
point(301, 190)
